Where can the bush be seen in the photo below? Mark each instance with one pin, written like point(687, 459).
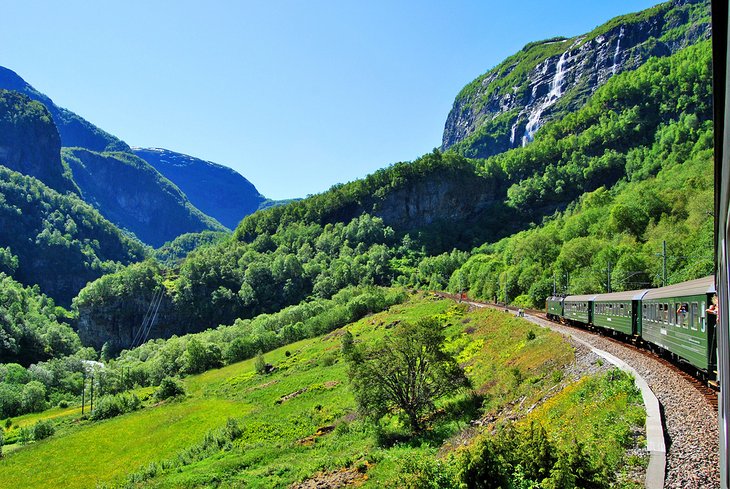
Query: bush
point(42, 430)
point(168, 388)
point(260, 364)
point(114, 405)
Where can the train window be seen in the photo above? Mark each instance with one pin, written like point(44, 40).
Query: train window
point(665, 314)
point(703, 317)
point(643, 311)
point(622, 310)
point(694, 316)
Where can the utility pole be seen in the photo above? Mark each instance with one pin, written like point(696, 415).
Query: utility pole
point(83, 393)
point(609, 277)
point(553, 284)
point(664, 263)
point(91, 405)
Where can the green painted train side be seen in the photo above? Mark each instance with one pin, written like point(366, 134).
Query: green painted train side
point(577, 311)
point(685, 334)
point(554, 307)
point(615, 315)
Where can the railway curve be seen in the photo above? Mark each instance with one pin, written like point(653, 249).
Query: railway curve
point(688, 408)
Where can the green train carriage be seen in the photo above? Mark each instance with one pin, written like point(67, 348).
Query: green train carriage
point(577, 308)
point(619, 311)
point(675, 319)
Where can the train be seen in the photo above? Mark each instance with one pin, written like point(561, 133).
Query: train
point(678, 320)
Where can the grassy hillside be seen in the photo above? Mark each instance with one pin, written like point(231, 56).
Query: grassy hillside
point(300, 422)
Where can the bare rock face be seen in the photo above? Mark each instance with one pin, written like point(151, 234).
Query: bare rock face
point(504, 108)
point(29, 141)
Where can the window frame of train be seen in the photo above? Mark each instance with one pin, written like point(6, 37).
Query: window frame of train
point(688, 335)
point(619, 311)
point(578, 308)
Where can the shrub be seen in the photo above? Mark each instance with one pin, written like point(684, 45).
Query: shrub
point(114, 405)
point(42, 430)
point(260, 364)
point(168, 388)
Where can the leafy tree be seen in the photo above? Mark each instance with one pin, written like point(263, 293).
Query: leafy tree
point(169, 387)
point(43, 429)
point(407, 372)
point(33, 397)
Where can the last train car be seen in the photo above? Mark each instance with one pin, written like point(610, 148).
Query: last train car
point(577, 308)
point(619, 311)
point(554, 308)
point(675, 318)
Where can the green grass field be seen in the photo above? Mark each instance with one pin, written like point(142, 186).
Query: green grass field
point(299, 421)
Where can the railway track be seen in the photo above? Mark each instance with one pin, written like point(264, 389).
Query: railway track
point(706, 390)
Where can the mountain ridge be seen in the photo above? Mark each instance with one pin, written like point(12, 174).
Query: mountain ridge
point(234, 197)
point(504, 108)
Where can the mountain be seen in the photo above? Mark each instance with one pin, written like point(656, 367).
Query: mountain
point(57, 241)
point(381, 229)
point(73, 129)
point(217, 190)
point(29, 141)
point(505, 107)
point(135, 196)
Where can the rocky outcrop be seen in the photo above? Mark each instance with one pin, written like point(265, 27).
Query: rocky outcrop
point(218, 191)
point(73, 129)
point(134, 196)
point(505, 107)
point(29, 141)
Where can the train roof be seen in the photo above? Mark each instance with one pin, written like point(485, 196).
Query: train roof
point(627, 295)
point(700, 286)
point(555, 298)
point(580, 298)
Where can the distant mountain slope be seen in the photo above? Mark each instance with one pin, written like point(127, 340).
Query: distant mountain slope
point(60, 242)
point(133, 195)
point(74, 130)
point(503, 108)
point(29, 142)
point(218, 191)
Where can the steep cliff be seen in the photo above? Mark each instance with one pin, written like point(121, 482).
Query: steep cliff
point(29, 141)
point(134, 196)
point(217, 190)
point(503, 108)
point(73, 129)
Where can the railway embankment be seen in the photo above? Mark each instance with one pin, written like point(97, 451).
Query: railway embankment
point(689, 425)
point(689, 419)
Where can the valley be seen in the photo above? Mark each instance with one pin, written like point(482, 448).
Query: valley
point(226, 337)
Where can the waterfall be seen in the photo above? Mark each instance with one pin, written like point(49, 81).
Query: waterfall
point(616, 53)
point(512, 134)
point(556, 90)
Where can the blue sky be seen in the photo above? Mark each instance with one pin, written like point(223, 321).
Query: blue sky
point(294, 95)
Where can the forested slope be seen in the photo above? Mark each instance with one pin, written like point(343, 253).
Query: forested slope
point(133, 195)
point(640, 122)
point(59, 242)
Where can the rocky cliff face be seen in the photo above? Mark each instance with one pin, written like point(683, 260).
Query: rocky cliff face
point(505, 107)
point(29, 141)
point(218, 191)
point(73, 129)
point(134, 196)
